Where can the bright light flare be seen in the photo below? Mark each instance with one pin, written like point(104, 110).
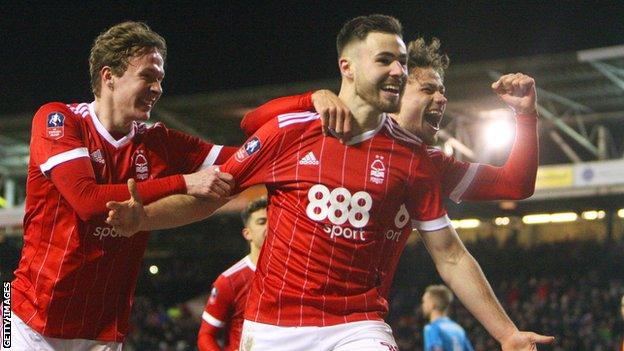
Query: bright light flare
point(593, 215)
point(153, 269)
point(499, 128)
point(501, 221)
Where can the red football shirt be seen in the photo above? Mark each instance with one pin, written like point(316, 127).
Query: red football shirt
point(460, 180)
point(226, 303)
point(335, 215)
point(76, 278)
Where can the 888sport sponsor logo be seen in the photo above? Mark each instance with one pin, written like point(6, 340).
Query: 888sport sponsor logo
point(347, 212)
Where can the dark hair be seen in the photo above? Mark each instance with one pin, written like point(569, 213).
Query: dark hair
point(421, 55)
point(117, 45)
point(359, 28)
point(252, 207)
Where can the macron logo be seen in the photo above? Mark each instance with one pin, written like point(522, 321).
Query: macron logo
point(309, 160)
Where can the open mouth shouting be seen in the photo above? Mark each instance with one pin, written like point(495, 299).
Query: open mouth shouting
point(433, 118)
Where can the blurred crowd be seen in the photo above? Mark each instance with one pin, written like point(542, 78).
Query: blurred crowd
point(571, 290)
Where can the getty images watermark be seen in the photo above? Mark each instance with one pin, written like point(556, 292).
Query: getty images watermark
point(6, 314)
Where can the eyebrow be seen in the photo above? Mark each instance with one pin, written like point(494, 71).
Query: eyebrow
point(392, 55)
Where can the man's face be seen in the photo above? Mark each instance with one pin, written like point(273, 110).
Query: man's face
point(380, 70)
point(423, 104)
point(255, 230)
point(427, 305)
point(135, 93)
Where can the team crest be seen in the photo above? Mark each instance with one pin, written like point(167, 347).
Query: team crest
point(96, 156)
point(248, 149)
point(141, 166)
point(377, 170)
point(56, 125)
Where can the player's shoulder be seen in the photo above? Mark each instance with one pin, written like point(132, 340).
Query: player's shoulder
point(240, 267)
point(57, 112)
point(296, 120)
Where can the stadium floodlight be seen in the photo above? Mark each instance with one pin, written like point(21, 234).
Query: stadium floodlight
point(593, 215)
point(153, 269)
point(621, 213)
point(550, 218)
point(466, 223)
point(563, 217)
point(501, 220)
point(536, 218)
point(499, 130)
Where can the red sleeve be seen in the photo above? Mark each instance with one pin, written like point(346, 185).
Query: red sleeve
point(58, 149)
point(515, 180)
point(225, 153)
point(216, 315)
point(254, 119)
point(76, 181)
point(57, 136)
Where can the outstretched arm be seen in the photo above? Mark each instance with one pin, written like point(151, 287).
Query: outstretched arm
point(130, 216)
point(464, 276)
point(334, 113)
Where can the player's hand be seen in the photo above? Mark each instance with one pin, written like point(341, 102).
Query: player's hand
point(209, 183)
point(335, 115)
point(517, 90)
point(525, 341)
point(126, 217)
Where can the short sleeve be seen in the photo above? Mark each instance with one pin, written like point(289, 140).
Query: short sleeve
point(57, 137)
point(425, 200)
point(220, 301)
point(188, 153)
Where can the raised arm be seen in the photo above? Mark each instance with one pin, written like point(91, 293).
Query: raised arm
point(461, 272)
point(514, 180)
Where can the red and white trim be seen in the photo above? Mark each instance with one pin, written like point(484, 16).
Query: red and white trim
point(106, 135)
point(432, 225)
point(296, 117)
point(212, 156)
point(63, 157)
point(212, 320)
point(463, 185)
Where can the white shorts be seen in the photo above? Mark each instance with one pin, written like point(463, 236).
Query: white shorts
point(24, 338)
point(360, 336)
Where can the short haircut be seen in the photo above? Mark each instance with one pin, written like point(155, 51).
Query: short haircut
point(423, 55)
point(252, 207)
point(359, 28)
point(442, 296)
point(117, 45)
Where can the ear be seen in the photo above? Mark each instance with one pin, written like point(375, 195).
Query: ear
point(106, 76)
point(346, 67)
point(246, 234)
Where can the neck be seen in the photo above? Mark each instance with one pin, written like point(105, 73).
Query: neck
point(365, 116)
point(110, 118)
point(435, 314)
point(254, 253)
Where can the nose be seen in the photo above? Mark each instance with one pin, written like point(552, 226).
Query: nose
point(156, 88)
point(398, 69)
point(440, 99)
